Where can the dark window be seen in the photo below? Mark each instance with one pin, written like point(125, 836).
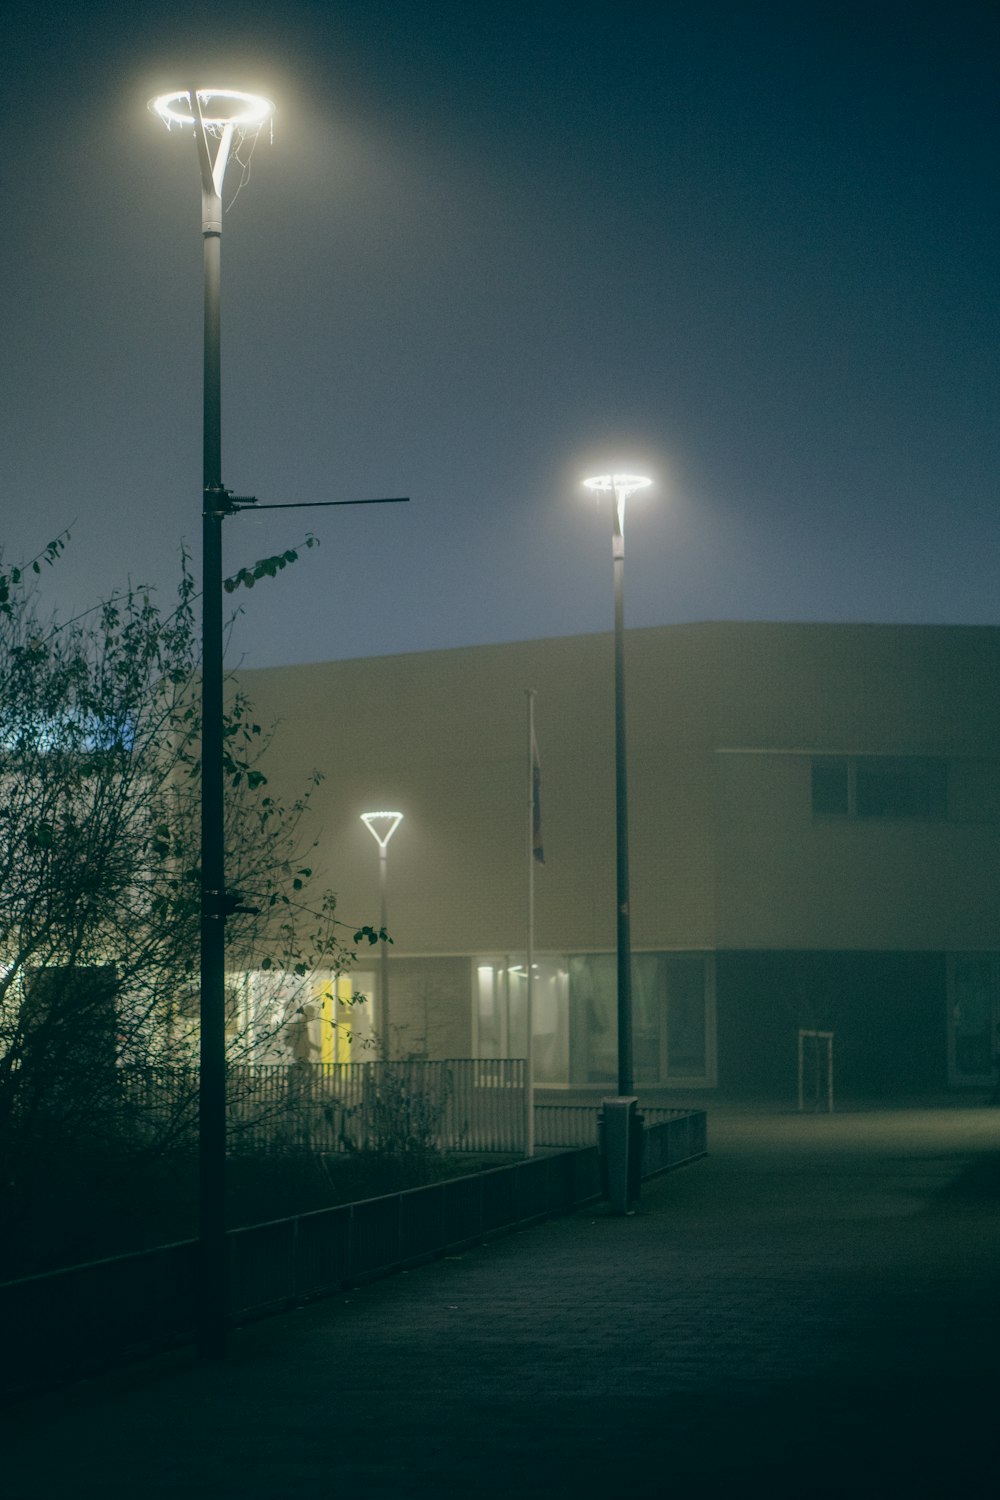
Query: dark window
point(879, 786)
point(830, 796)
point(902, 788)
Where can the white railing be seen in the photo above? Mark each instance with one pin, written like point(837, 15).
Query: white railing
point(460, 1104)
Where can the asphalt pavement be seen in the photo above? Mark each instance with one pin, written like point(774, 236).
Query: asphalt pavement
point(811, 1310)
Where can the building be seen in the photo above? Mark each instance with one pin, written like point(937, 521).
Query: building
point(814, 812)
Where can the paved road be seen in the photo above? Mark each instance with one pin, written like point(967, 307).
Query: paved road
point(812, 1310)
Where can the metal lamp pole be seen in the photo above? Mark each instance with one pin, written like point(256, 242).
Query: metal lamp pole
point(382, 826)
point(620, 486)
point(213, 1280)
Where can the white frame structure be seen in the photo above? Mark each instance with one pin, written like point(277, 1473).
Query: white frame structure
point(819, 1036)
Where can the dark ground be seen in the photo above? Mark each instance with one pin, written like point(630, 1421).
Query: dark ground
point(812, 1310)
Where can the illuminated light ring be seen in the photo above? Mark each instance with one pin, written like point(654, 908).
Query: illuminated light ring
point(628, 483)
point(256, 108)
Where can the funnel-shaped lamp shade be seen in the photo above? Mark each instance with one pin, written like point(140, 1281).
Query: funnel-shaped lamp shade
point(620, 486)
point(382, 825)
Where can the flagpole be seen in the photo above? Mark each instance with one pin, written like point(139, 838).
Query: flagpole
point(529, 1063)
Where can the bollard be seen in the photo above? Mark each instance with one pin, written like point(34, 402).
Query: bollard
point(621, 1153)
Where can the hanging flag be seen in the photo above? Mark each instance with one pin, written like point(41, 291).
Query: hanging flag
point(536, 804)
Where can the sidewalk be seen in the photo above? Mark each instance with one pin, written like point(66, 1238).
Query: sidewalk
point(812, 1310)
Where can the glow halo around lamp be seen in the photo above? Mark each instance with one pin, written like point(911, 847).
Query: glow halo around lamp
point(256, 108)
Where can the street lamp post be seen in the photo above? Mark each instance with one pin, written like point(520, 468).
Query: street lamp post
point(227, 117)
point(620, 486)
point(382, 826)
point(224, 115)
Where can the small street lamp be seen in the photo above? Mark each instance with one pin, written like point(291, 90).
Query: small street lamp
point(620, 486)
point(382, 826)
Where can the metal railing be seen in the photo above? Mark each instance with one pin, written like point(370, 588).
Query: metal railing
point(67, 1323)
point(459, 1104)
point(577, 1124)
point(670, 1142)
point(311, 1255)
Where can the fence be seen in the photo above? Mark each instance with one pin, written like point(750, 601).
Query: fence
point(69, 1322)
point(576, 1124)
point(461, 1104)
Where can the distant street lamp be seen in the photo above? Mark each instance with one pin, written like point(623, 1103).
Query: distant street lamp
point(620, 486)
point(382, 826)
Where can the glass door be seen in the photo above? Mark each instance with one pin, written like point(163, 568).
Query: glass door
point(973, 1017)
point(673, 1019)
point(501, 1013)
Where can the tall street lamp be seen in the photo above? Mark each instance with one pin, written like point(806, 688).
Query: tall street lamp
point(222, 116)
point(382, 826)
point(222, 120)
point(620, 486)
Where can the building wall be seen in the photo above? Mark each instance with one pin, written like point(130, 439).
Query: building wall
point(431, 1015)
point(725, 851)
point(728, 855)
point(788, 878)
point(885, 1011)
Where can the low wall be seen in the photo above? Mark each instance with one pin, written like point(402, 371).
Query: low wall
point(76, 1321)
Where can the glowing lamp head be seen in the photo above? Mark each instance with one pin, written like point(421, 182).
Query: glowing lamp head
point(620, 486)
point(382, 825)
point(219, 107)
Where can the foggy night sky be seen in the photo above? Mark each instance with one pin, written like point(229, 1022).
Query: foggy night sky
point(749, 247)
